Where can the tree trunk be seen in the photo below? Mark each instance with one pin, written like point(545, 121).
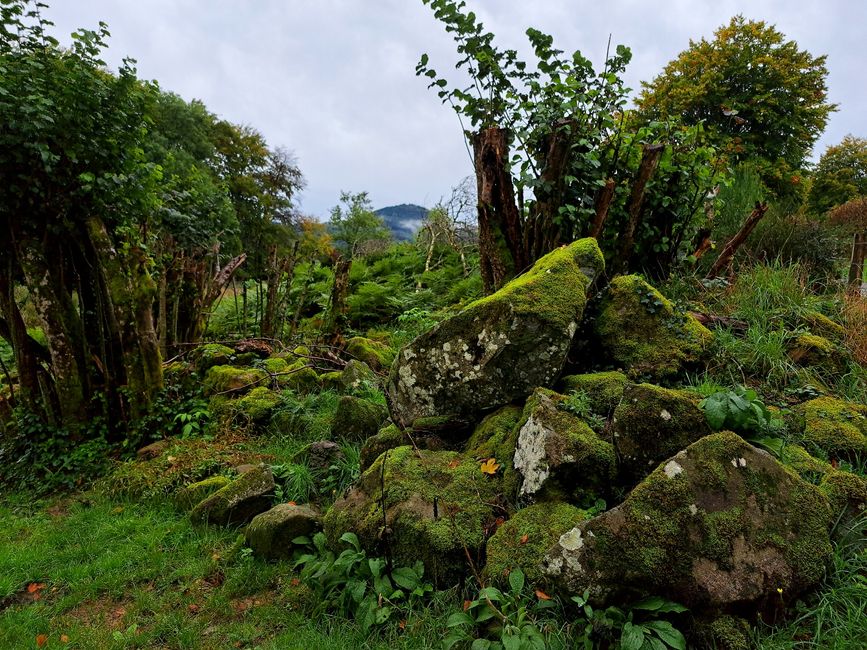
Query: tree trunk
point(649, 163)
point(725, 258)
point(543, 232)
point(604, 198)
point(501, 246)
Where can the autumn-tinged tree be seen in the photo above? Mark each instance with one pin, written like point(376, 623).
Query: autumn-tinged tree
point(761, 97)
point(840, 176)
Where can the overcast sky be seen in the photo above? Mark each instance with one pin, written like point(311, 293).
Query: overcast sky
point(334, 80)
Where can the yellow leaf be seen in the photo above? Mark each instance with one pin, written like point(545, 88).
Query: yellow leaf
point(41, 639)
point(490, 466)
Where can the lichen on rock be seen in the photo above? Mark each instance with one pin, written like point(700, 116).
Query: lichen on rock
point(729, 528)
point(557, 455)
point(497, 349)
point(522, 541)
point(650, 424)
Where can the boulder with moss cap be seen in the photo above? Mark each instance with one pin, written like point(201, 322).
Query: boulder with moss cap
point(604, 390)
point(357, 419)
point(421, 505)
point(239, 501)
point(640, 330)
point(522, 541)
point(270, 534)
point(497, 349)
point(375, 354)
point(720, 525)
point(558, 456)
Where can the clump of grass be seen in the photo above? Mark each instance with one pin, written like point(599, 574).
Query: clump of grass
point(304, 418)
point(833, 617)
point(768, 292)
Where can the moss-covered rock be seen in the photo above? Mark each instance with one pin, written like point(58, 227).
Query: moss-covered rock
point(650, 424)
point(558, 456)
point(357, 374)
point(391, 437)
point(496, 436)
point(375, 354)
point(719, 525)
point(357, 419)
point(522, 541)
point(817, 352)
point(270, 534)
point(436, 505)
point(820, 324)
point(239, 501)
point(837, 427)
point(193, 494)
point(641, 331)
point(300, 377)
point(604, 390)
point(723, 633)
point(212, 354)
point(228, 379)
point(257, 405)
point(497, 349)
point(331, 381)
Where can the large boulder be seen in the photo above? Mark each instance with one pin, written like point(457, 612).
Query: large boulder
point(721, 525)
point(558, 456)
point(652, 423)
point(498, 349)
point(270, 534)
point(641, 331)
point(433, 506)
point(239, 501)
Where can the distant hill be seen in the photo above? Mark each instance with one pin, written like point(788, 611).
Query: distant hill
point(403, 220)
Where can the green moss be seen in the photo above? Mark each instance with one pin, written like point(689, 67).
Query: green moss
point(212, 354)
point(191, 495)
point(824, 326)
point(549, 290)
point(724, 633)
point(375, 354)
point(228, 379)
point(681, 516)
point(846, 492)
point(816, 351)
point(299, 377)
point(257, 405)
point(603, 389)
point(331, 381)
point(437, 504)
point(357, 419)
point(239, 501)
point(522, 541)
point(496, 437)
point(835, 426)
point(389, 437)
point(652, 423)
point(275, 365)
point(641, 331)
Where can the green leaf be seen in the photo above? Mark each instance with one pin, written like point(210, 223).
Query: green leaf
point(632, 637)
point(668, 633)
point(458, 619)
point(481, 644)
point(516, 581)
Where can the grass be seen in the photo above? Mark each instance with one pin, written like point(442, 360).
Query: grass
point(131, 575)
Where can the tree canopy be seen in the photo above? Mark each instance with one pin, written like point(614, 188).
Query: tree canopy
point(840, 176)
point(760, 96)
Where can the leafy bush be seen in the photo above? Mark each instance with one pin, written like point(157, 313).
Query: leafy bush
point(356, 586)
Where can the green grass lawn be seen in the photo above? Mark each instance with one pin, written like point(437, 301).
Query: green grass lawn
point(90, 573)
